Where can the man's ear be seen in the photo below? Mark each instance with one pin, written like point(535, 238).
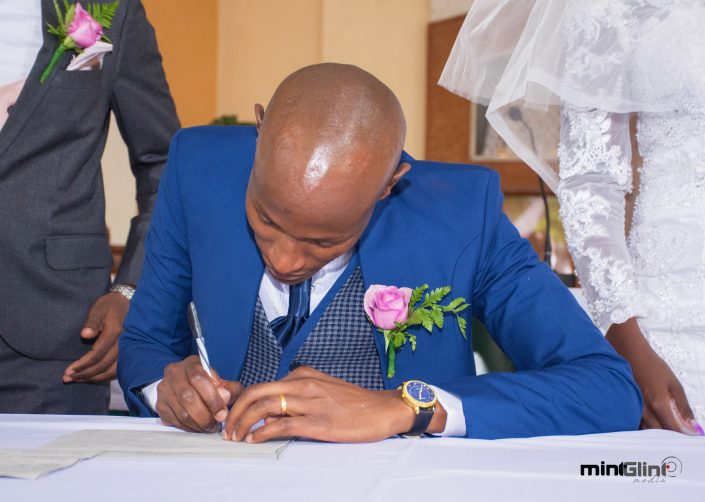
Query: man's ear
point(402, 169)
point(259, 116)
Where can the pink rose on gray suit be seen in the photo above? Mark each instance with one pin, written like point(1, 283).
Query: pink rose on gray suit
point(84, 30)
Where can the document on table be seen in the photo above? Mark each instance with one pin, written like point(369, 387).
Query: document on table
point(151, 443)
point(34, 463)
point(72, 448)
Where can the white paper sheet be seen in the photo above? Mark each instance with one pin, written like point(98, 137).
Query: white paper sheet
point(32, 463)
point(35, 463)
point(141, 443)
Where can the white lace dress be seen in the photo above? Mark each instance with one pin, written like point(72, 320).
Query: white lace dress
point(657, 272)
point(593, 63)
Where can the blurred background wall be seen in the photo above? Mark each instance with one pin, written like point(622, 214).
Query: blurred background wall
point(223, 56)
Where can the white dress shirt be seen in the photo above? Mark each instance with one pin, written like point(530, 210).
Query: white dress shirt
point(20, 38)
point(274, 296)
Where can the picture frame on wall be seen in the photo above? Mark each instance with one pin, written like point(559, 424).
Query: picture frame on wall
point(485, 144)
point(456, 127)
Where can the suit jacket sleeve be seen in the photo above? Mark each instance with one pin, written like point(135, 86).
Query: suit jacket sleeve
point(569, 380)
point(156, 332)
point(147, 120)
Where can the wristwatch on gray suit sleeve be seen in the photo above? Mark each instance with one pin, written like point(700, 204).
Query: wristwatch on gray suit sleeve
point(124, 289)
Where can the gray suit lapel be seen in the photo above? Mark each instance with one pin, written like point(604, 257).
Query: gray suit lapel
point(33, 92)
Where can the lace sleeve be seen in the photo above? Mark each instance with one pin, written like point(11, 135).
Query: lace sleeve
point(595, 174)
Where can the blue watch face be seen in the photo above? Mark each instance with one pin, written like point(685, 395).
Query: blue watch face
point(420, 391)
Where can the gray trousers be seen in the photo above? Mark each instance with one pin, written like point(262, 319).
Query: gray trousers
point(34, 386)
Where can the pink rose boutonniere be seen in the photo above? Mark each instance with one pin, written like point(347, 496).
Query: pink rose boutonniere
point(79, 29)
point(394, 310)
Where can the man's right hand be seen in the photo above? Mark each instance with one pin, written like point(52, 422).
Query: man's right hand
point(189, 399)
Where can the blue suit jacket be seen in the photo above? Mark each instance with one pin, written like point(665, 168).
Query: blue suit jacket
point(442, 225)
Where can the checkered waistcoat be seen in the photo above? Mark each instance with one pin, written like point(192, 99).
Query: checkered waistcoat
point(341, 344)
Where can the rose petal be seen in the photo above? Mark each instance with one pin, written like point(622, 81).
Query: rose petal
point(407, 294)
point(369, 299)
point(84, 30)
point(396, 304)
point(384, 318)
point(402, 315)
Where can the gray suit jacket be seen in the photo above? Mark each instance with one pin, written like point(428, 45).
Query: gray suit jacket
point(54, 254)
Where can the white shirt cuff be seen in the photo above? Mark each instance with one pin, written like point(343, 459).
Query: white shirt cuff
point(149, 395)
point(455, 417)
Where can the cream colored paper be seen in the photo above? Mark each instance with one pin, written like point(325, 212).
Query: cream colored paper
point(35, 463)
point(32, 463)
point(149, 443)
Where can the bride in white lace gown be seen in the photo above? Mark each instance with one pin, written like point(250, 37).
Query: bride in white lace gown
point(596, 63)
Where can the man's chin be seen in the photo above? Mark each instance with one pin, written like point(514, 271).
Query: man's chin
point(289, 279)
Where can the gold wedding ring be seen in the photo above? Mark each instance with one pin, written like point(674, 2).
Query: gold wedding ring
point(282, 400)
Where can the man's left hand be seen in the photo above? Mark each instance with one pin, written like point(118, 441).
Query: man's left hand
point(104, 324)
point(322, 407)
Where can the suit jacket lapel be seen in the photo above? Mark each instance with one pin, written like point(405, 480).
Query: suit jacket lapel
point(226, 291)
point(388, 257)
point(33, 92)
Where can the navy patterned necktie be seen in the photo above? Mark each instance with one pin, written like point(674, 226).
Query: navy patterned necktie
point(286, 326)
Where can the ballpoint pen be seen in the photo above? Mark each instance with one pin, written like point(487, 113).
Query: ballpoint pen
point(193, 321)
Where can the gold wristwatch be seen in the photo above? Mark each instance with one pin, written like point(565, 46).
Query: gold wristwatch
point(421, 398)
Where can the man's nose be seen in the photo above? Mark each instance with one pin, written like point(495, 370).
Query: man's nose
point(286, 258)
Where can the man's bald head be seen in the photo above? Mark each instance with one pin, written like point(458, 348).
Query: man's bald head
point(328, 148)
point(340, 124)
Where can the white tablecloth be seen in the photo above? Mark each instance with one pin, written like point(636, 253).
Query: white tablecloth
point(429, 469)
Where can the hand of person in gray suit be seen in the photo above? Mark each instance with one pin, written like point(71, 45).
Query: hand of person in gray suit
point(59, 324)
point(103, 324)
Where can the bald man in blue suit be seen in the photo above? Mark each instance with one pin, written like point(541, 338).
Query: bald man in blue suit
point(276, 231)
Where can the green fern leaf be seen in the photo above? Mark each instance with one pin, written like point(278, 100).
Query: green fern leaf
point(453, 305)
point(462, 324)
point(59, 14)
point(417, 317)
point(437, 318)
point(437, 294)
point(70, 14)
point(427, 323)
point(416, 294)
point(55, 30)
point(110, 11)
point(461, 308)
point(399, 340)
point(104, 13)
